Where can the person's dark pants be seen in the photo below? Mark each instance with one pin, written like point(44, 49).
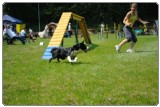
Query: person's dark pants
point(129, 34)
point(16, 38)
point(70, 33)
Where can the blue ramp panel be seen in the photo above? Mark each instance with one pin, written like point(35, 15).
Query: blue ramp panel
point(47, 54)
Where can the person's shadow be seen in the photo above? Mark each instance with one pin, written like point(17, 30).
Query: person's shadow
point(143, 51)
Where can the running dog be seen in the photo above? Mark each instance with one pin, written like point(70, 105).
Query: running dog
point(69, 53)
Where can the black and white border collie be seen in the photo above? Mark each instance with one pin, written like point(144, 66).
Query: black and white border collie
point(69, 53)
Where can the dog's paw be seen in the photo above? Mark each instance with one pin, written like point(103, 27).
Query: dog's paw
point(69, 59)
point(75, 59)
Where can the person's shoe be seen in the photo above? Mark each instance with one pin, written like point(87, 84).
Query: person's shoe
point(129, 50)
point(117, 48)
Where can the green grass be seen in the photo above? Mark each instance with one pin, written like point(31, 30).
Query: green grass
point(100, 77)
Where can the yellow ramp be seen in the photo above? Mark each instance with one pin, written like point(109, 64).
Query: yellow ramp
point(60, 30)
point(83, 27)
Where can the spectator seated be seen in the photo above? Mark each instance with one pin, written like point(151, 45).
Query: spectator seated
point(13, 36)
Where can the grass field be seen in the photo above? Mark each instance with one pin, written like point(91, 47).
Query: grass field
point(100, 77)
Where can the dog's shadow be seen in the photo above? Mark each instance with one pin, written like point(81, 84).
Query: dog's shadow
point(92, 46)
point(77, 63)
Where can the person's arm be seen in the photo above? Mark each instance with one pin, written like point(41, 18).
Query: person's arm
point(143, 22)
point(125, 20)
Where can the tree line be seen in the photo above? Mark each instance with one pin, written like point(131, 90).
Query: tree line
point(94, 13)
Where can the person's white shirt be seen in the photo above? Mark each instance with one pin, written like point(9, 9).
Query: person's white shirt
point(4, 31)
point(23, 33)
point(10, 33)
point(69, 26)
point(30, 31)
point(102, 26)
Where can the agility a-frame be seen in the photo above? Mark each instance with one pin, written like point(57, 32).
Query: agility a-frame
point(58, 35)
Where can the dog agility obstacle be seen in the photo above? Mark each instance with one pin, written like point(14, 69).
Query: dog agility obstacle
point(58, 35)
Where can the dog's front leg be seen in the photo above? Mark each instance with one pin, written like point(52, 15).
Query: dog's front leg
point(69, 58)
point(50, 60)
point(58, 60)
point(75, 59)
point(53, 57)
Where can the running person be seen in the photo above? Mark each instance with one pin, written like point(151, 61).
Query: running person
point(129, 21)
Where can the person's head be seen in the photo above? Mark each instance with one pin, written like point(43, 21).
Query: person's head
point(133, 7)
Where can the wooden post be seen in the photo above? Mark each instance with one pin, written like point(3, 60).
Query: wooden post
point(62, 43)
point(76, 32)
